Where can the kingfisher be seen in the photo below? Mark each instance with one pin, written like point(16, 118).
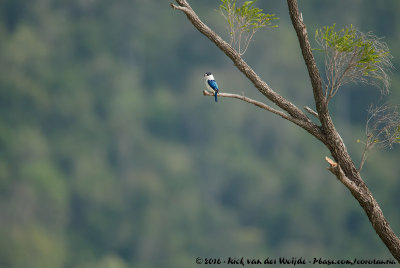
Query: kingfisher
point(211, 84)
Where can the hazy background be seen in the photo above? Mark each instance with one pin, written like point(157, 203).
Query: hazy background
point(111, 157)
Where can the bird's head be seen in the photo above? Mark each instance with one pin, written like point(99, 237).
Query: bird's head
point(208, 76)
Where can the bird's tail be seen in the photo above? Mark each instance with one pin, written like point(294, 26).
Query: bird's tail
point(215, 95)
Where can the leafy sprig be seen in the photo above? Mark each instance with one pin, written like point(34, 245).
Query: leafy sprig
point(352, 56)
point(244, 21)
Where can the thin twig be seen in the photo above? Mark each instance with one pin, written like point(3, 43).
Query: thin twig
point(381, 129)
point(311, 111)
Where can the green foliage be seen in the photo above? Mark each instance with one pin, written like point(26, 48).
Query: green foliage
point(244, 21)
point(253, 16)
point(353, 56)
point(344, 41)
point(347, 40)
point(397, 135)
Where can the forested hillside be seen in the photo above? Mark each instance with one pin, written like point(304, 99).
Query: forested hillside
point(110, 156)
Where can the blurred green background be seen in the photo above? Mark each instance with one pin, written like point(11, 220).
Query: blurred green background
point(111, 157)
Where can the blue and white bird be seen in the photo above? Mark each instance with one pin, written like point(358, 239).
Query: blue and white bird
point(211, 84)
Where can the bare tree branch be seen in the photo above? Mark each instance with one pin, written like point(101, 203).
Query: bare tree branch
point(256, 103)
point(338, 172)
point(262, 86)
point(333, 140)
point(342, 166)
point(345, 166)
point(305, 46)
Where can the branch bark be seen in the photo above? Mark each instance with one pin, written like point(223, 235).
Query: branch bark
point(333, 140)
point(256, 103)
point(345, 171)
point(342, 166)
point(262, 86)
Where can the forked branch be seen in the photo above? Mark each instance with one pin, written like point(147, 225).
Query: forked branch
point(342, 165)
point(344, 170)
point(301, 118)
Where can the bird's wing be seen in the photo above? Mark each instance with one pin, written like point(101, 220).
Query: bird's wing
point(213, 84)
